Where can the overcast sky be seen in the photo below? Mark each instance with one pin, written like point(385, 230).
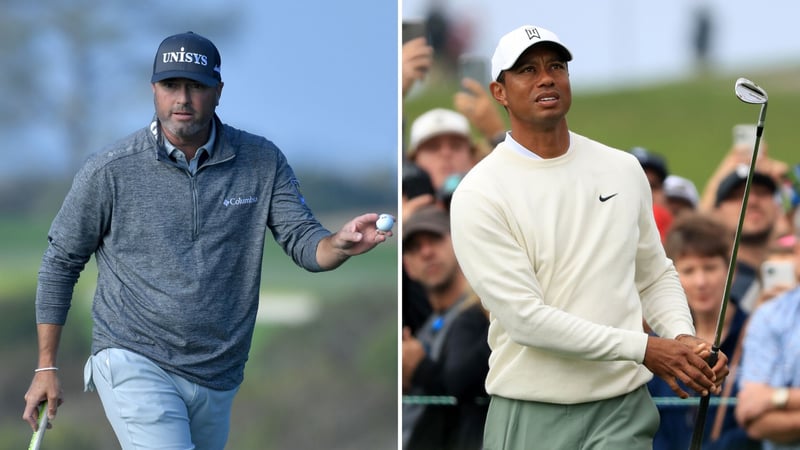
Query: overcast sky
point(320, 78)
point(616, 42)
point(317, 78)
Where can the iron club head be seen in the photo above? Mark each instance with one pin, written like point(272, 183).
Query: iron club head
point(749, 92)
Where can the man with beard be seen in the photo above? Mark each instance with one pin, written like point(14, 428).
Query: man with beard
point(757, 229)
point(449, 354)
point(176, 215)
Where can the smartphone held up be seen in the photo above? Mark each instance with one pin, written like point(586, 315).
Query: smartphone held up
point(413, 29)
point(775, 273)
point(474, 67)
point(744, 138)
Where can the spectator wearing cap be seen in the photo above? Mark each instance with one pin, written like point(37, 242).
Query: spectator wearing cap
point(439, 152)
point(681, 195)
point(555, 233)
point(737, 156)
point(440, 144)
point(449, 354)
point(655, 167)
point(757, 228)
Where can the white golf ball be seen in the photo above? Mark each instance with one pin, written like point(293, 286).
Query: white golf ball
point(385, 222)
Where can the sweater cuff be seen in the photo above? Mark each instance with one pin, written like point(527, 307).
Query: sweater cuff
point(633, 346)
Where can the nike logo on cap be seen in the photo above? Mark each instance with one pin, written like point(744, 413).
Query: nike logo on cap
point(602, 199)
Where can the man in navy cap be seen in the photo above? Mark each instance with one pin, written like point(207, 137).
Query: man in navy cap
point(655, 167)
point(759, 223)
point(175, 215)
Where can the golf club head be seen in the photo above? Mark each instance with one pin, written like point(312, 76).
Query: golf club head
point(749, 92)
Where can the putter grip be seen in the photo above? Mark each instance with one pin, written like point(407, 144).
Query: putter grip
point(36, 439)
point(702, 410)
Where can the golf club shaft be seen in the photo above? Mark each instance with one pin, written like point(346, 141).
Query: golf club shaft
point(702, 411)
point(38, 435)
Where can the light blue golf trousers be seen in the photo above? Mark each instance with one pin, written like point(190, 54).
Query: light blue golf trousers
point(149, 408)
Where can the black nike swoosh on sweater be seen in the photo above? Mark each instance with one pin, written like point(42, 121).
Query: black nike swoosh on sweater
point(602, 199)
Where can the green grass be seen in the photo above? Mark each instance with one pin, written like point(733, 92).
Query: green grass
point(376, 268)
point(23, 243)
point(24, 240)
point(689, 122)
point(298, 379)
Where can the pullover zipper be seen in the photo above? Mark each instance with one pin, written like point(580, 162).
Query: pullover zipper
point(195, 209)
point(195, 199)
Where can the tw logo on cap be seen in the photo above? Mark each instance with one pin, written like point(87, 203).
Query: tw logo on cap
point(532, 33)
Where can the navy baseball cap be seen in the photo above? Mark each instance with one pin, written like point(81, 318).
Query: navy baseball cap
point(738, 178)
point(652, 161)
point(188, 55)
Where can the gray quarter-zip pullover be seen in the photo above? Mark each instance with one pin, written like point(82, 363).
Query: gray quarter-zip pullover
point(178, 254)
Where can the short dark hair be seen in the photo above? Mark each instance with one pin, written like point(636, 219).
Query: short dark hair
point(697, 234)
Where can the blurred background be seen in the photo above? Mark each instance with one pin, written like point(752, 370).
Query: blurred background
point(321, 82)
point(318, 80)
point(617, 43)
point(656, 74)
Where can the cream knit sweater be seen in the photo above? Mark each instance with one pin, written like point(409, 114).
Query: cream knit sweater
point(566, 256)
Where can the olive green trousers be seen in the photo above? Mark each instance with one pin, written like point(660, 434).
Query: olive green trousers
point(627, 422)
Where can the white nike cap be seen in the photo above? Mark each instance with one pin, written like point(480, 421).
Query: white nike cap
point(513, 44)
